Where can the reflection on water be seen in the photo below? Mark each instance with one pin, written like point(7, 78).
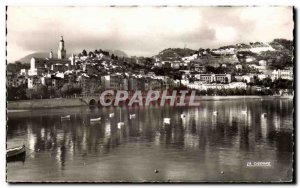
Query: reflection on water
point(200, 147)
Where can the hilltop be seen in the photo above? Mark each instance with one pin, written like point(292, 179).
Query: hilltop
point(175, 52)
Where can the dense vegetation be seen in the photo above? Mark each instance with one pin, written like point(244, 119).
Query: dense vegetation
point(17, 66)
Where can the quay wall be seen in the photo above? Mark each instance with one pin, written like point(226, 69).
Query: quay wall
point(45, 103)
point(73, 102)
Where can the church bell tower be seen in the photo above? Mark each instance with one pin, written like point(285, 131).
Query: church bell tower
point(61, 49)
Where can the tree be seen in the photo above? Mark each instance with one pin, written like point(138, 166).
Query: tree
point(16, 93)
point(282, 84)
point(112, 56)
point(257, 81)
point(91, 54)
point(69, 89)
point(226, 80)
point(210, 91)
point(17, 66)
point(38, 92)
point(29, 93)
point(84, 53)
point(76, 89)
point(267, 82)
point(65, 90)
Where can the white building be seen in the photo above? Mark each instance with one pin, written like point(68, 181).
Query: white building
point(226, 51)
point(283, 74)
point(262, 76)
point(115, 81)
point(258, 67)
point(158, 64)
point(24, 72)
point(240, 85)
point(248, 78)
point(209, 78)
point(261, 48)
point(204, 86)
point(175, 64)
point(262, 63)
point(188, 59)
point(250, 59)
point(196, 85)
point(215, 86)
point(239, 66)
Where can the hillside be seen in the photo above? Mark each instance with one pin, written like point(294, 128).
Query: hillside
point(118, 53)
point(282, 44)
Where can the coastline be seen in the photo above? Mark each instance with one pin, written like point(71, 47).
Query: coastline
point(13, 106)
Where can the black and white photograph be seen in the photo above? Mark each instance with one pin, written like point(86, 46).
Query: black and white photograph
point(142, 94)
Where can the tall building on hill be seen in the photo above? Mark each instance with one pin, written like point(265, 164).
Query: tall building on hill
point(40, 66)
point(51, 54)
point(61, 49)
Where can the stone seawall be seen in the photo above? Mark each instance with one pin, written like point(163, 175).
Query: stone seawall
point(45, 103)
point(73, 102)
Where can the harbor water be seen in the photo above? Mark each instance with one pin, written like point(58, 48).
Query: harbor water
point(213, 142)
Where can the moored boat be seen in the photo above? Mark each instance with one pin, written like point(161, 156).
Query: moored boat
point(264, 115)
point(65, 117)
point(14, 152)
point(167, 120)
point(131, 116)
point(95, 119)
point(121, 123)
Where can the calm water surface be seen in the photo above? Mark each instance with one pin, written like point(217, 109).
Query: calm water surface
point(200, 147)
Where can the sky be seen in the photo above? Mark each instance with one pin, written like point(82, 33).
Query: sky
point(141, 31)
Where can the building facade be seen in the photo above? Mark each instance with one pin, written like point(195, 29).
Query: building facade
point(283, 74)
point(210, 78)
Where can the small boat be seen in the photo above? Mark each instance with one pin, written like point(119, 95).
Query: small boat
point(244, 112)
point(182, 116)
point(167, 120)
point(131, 116)
point(111, 115)
point(120, 124)
point(215, 113)
point(65, 117)
point(264, 115)
point(95, 119)
point(17, 151)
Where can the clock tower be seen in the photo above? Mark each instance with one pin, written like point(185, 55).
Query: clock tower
point(61, 49)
